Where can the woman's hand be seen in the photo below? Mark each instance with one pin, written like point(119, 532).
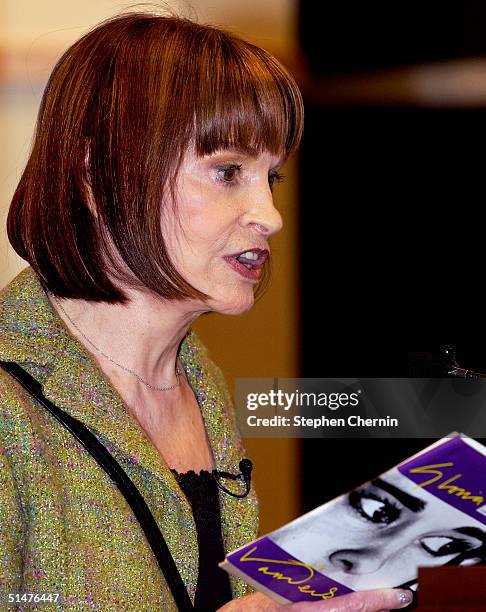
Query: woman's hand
point(377, 600)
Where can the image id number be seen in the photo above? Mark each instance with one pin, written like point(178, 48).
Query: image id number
point(32, 597)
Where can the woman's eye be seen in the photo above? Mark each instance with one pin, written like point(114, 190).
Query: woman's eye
point(228, 174)
point(373, 508)
point(439, 546)
point(274, 177)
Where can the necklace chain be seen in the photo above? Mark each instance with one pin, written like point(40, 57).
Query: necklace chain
point(178, 370)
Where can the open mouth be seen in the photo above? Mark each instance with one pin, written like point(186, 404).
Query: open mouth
point(248, 264)
point(245, 262)
point(252, 259)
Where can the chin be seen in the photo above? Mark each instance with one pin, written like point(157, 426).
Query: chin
point(235, 305)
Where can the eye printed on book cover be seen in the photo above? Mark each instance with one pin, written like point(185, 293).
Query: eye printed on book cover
point(387, 508)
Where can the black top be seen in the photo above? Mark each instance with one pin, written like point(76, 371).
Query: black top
point(213, 585)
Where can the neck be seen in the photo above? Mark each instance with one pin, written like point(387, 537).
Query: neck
point(143, 336)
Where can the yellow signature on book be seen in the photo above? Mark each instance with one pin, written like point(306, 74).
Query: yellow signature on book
point(446, 485)
point(299, 584)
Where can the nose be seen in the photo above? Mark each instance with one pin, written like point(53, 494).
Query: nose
point(262, 216)
point(358, 561)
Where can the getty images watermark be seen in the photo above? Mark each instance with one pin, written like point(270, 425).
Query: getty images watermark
point(378, 407)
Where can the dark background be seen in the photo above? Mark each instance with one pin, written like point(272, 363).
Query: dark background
point(391, 218)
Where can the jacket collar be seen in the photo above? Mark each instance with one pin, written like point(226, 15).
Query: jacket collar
point(33, 335)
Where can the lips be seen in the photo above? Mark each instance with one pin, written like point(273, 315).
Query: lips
point(248, 263)
point(254, 257)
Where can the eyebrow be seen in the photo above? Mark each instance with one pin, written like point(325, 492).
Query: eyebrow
point(474, 532)
point(409, 501)
point(249, 152)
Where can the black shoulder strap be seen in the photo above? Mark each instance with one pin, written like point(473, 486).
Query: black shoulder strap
point(118, 476)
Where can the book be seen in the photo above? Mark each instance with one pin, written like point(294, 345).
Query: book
point(429, 510)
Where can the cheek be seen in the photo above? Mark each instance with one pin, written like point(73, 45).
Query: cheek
point(210, 212)
point(341, 529)
point(208, 235)
point(402, 562)
point(207, 228)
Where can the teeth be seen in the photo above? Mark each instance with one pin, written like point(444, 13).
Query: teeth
point(249, 266)
point(249, 255)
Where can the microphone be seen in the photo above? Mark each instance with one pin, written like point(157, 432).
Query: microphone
point(246, 467)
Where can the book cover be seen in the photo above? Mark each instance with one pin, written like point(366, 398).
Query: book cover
point(429, 510)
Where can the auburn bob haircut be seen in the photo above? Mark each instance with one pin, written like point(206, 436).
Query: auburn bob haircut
point(120, 109)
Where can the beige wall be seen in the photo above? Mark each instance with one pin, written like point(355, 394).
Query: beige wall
point(265, 341)
point(29, 25)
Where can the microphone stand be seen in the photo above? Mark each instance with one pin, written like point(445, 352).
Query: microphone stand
point(441, 364)
point(453, 369)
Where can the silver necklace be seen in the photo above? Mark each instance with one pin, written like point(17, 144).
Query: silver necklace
point(178, 371)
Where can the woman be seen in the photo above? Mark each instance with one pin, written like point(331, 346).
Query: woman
point(146, 202)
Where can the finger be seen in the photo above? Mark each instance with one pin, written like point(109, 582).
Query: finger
point(372, 601)
point(362, 601)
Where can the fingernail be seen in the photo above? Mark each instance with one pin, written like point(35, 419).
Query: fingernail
point(405, 597)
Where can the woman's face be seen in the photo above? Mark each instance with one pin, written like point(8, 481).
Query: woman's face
point(225, 208)
point(379, 535)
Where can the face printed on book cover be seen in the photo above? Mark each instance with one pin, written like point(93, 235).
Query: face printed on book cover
point(379, 534)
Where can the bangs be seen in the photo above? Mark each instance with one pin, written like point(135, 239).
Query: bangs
point(248, 101)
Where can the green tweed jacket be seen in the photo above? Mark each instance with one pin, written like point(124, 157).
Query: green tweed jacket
point(64, 526)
